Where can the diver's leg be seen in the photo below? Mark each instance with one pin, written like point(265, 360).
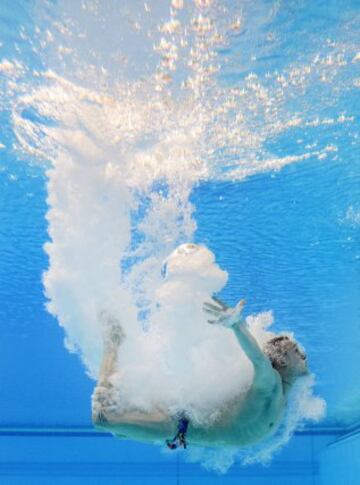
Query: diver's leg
point(102, 398)
point(106, 409)
point(113, 336)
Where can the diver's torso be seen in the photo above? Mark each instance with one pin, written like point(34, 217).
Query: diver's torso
point(248, 421)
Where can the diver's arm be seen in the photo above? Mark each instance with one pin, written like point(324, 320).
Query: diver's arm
point(266, 381)
point(222, 314)
point(231, 318)
point(261, 412)
point(251, 347)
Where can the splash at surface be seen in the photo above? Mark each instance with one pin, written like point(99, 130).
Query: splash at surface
point(125, 142)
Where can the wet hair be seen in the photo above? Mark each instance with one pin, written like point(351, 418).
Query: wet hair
point(277, 349)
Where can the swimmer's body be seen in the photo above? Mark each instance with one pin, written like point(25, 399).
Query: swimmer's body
point(244, 422)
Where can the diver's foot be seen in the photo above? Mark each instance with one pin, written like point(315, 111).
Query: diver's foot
point(223, 315)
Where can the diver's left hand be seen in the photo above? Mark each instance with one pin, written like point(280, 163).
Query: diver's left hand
point(224, 315)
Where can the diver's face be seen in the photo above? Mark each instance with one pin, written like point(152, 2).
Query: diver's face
point(296, 361)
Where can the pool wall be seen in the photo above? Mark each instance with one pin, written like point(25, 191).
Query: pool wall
point(81, 455)
point(340, 460)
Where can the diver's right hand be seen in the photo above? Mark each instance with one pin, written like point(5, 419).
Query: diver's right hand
point(223, 314)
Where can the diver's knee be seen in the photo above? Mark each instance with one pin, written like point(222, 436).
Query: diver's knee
point(98, 406)
point(102, 399)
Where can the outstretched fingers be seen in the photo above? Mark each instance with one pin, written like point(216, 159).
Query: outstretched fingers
point(210, 308)
point(223, 305)
point(216, 312)
point(222, 313)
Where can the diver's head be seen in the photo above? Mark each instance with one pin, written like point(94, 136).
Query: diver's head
point(286, 357)
point(196, 264)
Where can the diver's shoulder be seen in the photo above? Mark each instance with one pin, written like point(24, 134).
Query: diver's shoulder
point(266, 381)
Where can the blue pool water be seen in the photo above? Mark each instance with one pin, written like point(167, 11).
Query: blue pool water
point(281, 212)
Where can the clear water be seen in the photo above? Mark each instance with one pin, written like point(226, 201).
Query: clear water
point(266, 161)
